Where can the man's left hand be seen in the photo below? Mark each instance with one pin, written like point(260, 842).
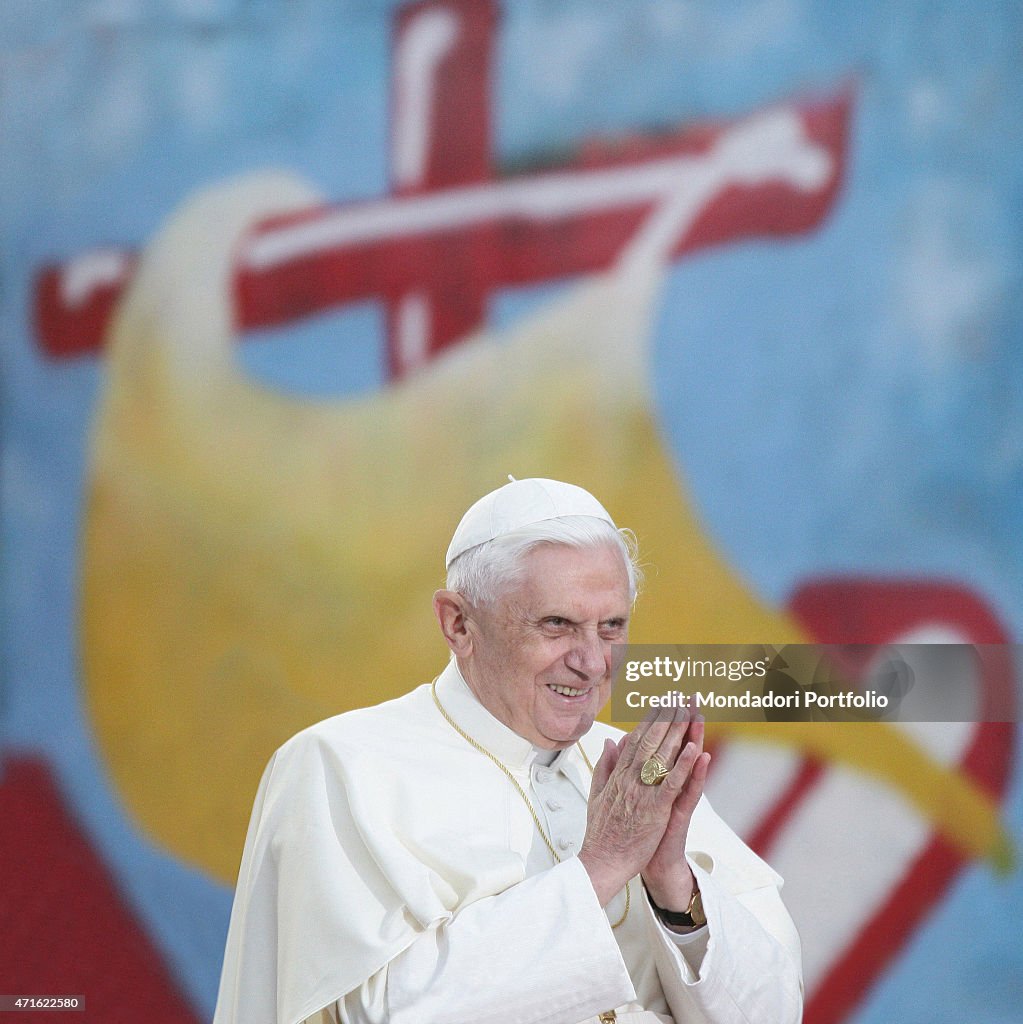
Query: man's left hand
point(667, 876)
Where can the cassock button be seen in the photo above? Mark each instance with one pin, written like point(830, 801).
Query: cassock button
point(543, 775)
point(564, 844)
point(553, 805)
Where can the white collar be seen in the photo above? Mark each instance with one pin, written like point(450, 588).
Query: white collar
point(505, 744)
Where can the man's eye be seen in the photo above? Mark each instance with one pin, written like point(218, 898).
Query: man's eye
point(555, 621)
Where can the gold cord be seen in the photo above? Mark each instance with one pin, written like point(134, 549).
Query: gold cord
point(522, 793)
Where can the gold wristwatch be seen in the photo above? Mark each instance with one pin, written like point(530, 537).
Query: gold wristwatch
point(692, 917)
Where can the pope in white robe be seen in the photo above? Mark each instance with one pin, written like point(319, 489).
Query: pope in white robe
point(481, 851)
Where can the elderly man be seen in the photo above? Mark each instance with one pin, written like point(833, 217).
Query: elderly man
point(481, 849)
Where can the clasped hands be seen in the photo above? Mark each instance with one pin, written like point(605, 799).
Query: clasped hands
point(634, 828)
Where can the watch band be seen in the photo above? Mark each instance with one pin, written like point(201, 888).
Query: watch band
point(692, 917)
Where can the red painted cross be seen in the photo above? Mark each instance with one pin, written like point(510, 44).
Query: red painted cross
point(454, 229)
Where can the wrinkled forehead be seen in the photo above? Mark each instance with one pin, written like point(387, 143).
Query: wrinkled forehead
point(591, 580)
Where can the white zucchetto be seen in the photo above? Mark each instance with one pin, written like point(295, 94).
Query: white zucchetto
point(518, 504)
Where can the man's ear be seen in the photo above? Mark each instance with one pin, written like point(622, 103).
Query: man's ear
point(450, 608)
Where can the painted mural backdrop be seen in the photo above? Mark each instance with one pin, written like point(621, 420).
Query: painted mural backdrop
point(287, 286)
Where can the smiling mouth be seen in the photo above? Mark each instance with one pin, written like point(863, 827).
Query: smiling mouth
point(568, 691)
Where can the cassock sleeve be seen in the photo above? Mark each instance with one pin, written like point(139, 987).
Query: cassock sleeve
point(544, 951)
point(750, 968)
point(541, 952)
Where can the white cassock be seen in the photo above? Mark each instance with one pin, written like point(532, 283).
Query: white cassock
point(392, 873)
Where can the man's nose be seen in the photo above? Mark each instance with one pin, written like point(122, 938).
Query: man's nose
point(588, 656)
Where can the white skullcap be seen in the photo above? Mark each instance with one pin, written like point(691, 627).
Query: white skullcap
point(518, 504)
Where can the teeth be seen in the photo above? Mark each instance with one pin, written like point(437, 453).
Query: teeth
point(567, 691)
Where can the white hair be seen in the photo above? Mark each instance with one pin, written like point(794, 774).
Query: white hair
point(480, 573)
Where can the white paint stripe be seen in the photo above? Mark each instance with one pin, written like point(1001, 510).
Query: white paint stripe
point(732, 159)
point(947, 684)
point(89, 271)
point(841, 855)
point(769, 147)
point(412, 329)
point(421, 48)
point(747, 779)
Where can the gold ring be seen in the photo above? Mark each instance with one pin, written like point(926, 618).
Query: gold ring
point(653, 771)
